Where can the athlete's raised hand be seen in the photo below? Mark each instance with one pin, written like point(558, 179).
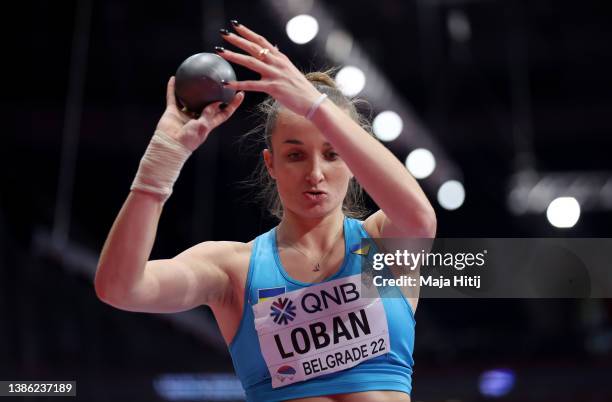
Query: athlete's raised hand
point(279, 77)
point(191, 130)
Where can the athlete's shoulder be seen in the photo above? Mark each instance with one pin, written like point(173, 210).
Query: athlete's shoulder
point(222, 254)
point(371, 224)
point(238, 249)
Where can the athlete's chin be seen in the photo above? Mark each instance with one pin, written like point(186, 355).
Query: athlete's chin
point(317, 210)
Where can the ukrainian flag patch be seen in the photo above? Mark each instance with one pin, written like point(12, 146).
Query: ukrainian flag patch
point(263, 294)
point(357, 249)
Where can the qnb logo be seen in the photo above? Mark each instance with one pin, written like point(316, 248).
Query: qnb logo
point(282, 310)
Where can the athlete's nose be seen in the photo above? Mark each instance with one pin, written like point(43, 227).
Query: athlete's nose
point(315, 172)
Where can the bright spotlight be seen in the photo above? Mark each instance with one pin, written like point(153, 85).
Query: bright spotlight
point(302, 29)
point(350, 80)
point(387, 125)
point(421, 163)
point(563, 212)
point(451, 195)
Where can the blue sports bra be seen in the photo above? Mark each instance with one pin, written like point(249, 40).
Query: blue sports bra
point(298, 339)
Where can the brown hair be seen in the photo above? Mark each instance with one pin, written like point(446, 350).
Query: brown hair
point(353, 204)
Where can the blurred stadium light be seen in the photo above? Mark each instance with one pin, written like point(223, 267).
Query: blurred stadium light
point(532, 192)
point(199, 387)
point(496, 383)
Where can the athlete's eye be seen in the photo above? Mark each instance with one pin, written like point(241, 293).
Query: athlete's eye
point(332, 155)
point(294, 155)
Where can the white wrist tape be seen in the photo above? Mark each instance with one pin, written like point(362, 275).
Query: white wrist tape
point(160, 166)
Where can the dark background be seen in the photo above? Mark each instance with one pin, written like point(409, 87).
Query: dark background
point(529, 89)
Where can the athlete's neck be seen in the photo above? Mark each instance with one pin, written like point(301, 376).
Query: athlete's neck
point(315, 235)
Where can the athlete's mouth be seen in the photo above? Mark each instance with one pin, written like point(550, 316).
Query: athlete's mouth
point(315, 195)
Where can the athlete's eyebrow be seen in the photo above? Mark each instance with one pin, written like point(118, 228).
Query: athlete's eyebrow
point(298, 142)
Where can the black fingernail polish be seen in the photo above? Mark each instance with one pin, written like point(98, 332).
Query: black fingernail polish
point(223, 82)
point(223, 106)
point(219, 49)
point(235, 23)
point(224, 31)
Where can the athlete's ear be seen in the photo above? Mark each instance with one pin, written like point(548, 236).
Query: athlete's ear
point(267, 156)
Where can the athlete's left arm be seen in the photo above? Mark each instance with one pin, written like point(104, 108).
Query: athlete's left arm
point(405, 210)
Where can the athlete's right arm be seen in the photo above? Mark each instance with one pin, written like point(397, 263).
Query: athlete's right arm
point(126, 280)
point(124, 277)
